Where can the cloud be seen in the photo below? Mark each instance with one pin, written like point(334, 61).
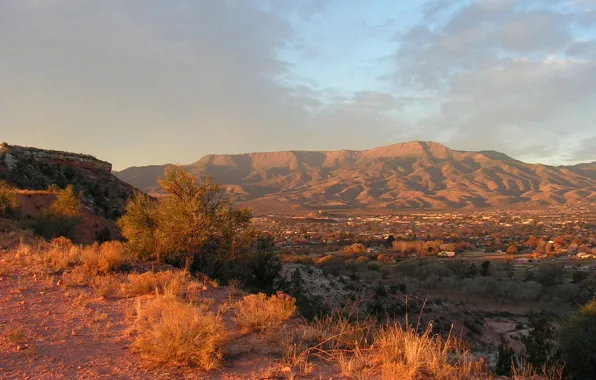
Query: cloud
point(147, 81)
point(510, 76)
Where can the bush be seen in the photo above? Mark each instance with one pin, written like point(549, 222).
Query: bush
point(9, 203)
point(193, 226)
point(171, 331)
point(61, 217)
point(257, 312)
point(577, 342)
point(105, 258)
point(166, 282)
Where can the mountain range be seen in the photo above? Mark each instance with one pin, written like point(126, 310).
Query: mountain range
point(412, 175)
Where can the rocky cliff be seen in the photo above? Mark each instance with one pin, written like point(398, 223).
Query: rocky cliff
point(10, 154)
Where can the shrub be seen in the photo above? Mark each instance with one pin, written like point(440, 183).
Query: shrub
point(61, 217)
point(166, 282)
point(105, 286)
point(101, 259)
point(171, 331)
point(257, 312)
point(9, 203)
point(193, 226)
point(402, 353)
point(577, 342)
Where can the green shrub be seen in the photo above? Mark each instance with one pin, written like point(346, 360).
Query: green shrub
point(61, 217)
point(193, 226)
point(577, 342)
point(9, 203)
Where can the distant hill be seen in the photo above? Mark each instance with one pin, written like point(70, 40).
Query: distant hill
point(412, 175)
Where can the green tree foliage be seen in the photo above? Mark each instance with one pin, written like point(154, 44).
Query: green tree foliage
point(540, 342)
point(62, 216)
point(194, 226)
point(577, 342)
point(9, 203)
point(138, 225)
point(505, 358)
point(485, 268)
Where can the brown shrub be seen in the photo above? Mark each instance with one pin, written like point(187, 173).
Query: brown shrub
point(257, 312)
point(167, 282)
point(105, 286)
point(171, 331)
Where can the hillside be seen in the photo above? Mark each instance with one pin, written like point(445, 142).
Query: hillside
point(410, 175)
point(32, 171)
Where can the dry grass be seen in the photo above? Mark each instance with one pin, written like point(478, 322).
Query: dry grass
point(525, 371)
point(403, 353)
point(105, 286)
point(78, 276)
point(175, 283)
point(257, 312)
point(14, 333)
point(105, 258)
point(171, 331)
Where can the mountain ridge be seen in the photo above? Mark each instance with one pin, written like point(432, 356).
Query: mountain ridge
point(411, 175)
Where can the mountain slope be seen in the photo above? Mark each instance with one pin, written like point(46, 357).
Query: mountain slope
point(400, 176)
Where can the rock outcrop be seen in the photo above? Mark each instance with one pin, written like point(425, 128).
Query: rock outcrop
point(12, 153)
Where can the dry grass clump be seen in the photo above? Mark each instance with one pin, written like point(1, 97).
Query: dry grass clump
point(105, 286)
point(176, 283)
point(172, 331)
point(105, 258)
point(404, 353)
point(523, 371)
point(59, 254)
point(257, 312)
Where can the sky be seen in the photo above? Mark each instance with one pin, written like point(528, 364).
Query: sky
point(139, 82)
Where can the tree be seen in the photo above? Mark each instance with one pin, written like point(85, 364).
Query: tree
point(577, 342)
point(9, 203)
point(62, 216)
point(532, 241)
point(505, 358)
point(194, 226)
point(485, 268)
point(512, 249)
point(138, 225)
point(540, 341)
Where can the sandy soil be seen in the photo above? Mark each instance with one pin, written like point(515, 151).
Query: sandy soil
point(51, 332)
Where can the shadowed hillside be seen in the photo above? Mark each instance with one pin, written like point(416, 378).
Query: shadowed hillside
point(409, 175)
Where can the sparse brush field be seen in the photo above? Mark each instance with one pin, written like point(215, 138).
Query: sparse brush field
point(92, 311)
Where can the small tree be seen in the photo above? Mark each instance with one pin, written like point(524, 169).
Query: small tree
point(9, 203)
point(577, 342)
point(62, 216)
point(138, 225)
point(512, 249)
point(485, 268)
point(540, 342)
point(505, 358)
point(194, 226)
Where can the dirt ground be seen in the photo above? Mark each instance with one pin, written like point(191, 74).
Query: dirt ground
point(48, 331)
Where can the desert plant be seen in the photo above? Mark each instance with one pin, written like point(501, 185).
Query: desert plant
point(193, 226)
point(171, 331)
point(9, 203)
point(257, 312)
point(61, 217)
point(577, 342)
point(166, 282)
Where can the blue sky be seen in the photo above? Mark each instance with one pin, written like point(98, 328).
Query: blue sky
point(141, 82)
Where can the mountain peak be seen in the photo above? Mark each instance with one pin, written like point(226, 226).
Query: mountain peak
point(411, 149)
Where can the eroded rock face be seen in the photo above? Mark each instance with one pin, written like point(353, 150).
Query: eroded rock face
point(12, 153)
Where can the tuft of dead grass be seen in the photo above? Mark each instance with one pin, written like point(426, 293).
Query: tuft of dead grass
point(105, 286)
point(167, 282)
point(257, 312)
point(172, 331)
point(105, 258)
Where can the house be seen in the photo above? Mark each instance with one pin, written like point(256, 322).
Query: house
point(446, 254)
